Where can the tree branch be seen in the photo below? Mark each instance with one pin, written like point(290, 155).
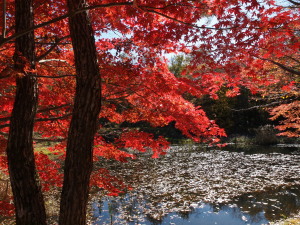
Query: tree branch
point(296, 60)
point(53, 108)
point(40, 110)
point(4, 134)
point(61, 76)
point(50, 60)
point(150, 9)
point(71, 14)
point(36, 120)
point(53, 118)
point(40, 139)
point(296, 72)
point(186, 23)
point(49, 140)
point(57, 19)
point(4, 125)
point(4, 77)
point(57, 41)
point(5, 118)
point(176, 4)
point(294, 2)
point(257, 106)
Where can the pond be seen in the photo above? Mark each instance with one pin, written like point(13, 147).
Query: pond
point(192, 185)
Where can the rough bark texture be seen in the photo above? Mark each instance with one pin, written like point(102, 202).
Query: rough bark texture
point(28, 199)
point(87, 103)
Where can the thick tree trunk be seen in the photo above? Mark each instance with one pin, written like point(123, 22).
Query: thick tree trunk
point(87, 103)
point(28, 199)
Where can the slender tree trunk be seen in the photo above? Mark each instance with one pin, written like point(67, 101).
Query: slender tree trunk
point(28, 199)
point(87, 103)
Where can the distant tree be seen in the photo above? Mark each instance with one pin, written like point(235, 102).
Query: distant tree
point(178, 64)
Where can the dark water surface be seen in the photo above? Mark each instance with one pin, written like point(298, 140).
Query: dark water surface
point(192, 185)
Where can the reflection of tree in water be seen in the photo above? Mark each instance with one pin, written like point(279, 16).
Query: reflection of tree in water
point(273, 203)
point(174, 182)
point(288, 202)
point(252, 208)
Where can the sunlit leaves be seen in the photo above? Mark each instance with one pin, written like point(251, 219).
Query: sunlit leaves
point(290, 124)
point(49, 171)
point(233, 50)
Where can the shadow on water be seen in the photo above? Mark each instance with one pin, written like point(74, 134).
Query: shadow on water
point(195, 186)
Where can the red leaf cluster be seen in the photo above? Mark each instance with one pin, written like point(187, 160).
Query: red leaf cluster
point(230, 43)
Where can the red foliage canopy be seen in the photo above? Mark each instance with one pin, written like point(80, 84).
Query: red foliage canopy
point(133, 38)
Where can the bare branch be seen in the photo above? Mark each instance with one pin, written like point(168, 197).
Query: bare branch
point(49, 139)
point(61, 76)
point(4, 125)
point(40, 139)
point(259, 106)
point(286, 68)
point(57, 41)
point(51, 60)
point(4, 77)
point(53, 108)
point(36, 120)
point(8, 71)
point(51, 43)
point(296, 60)
point(53, 118)
point(5, 118)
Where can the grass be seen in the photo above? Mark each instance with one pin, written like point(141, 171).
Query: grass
point(44, 149)
point(291, 222)
point(288, 221)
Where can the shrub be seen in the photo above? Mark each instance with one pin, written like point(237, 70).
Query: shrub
point(266, 135)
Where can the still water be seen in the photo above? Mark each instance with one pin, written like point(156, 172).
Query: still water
point(192, 185)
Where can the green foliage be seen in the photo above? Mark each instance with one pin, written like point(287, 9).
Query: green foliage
point(290, 221)
point(178, 64)
point(235, 114)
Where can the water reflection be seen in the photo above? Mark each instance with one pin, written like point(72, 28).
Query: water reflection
point(250, 208)
point(282, 201)
point(193, 186)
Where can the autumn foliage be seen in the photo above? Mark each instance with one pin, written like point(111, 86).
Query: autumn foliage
point(290, 121)
point(230, 44)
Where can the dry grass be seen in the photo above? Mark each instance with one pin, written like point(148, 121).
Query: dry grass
point(289, 221)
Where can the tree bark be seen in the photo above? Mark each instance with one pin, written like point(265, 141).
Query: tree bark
point(28, 199)
point(87, 104)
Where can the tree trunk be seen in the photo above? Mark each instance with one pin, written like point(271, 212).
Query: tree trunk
point(28, 199)
point(87, 103)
